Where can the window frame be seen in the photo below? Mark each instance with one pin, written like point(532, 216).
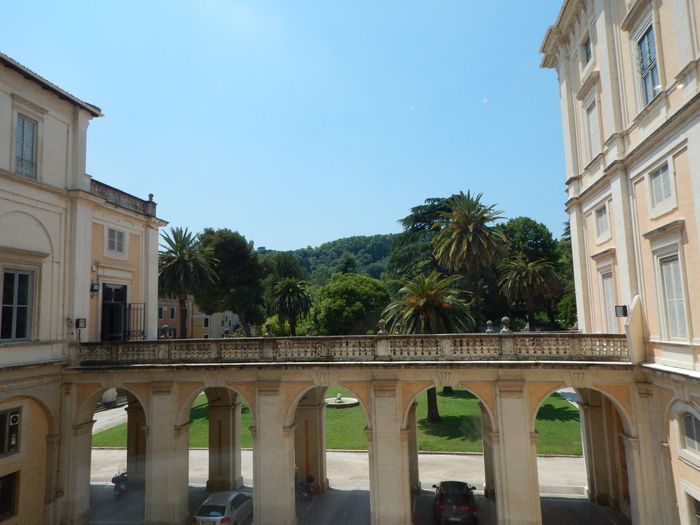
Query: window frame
point(664, 249)
point(113, 253)
point(173, 313)
point(34, 113)
point(656, 209)
point(602, 236)
point(609, 318)
point(31, 301)
point(593, 149)
point(35, 136)
point(15, 476)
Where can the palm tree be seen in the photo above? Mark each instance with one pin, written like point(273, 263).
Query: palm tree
point(183, 263)
point(527, 281)
point(467, 240)
point(429, 304)
point(291, 300)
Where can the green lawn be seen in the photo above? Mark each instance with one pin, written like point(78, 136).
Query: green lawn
point(459, 431)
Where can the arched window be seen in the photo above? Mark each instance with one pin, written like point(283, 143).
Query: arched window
point(691, 427)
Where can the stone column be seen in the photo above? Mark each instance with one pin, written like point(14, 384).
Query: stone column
point(412, 443)
point(518, 494)
point(136, 444)
point(167, 461)
point(273, 459)
point(390, 501)
point(596, 449)
point(53, 445)
point(310, 444)
point(489, 440)
point(79, 473)
point(224, 447)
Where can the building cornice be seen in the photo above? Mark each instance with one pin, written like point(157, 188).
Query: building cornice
point(665, 229)
point(555, 33)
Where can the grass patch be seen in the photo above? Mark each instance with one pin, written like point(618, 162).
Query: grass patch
point(557, 426)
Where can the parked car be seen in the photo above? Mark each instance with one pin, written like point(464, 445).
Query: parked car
point(454, 503)
point(228, 508)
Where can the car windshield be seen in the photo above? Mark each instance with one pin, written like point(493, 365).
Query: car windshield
point(211, 511)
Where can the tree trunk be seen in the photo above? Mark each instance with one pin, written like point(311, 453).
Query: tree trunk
point(433, 414)
point(292, 325)
point(182, 301)
point(245, 325)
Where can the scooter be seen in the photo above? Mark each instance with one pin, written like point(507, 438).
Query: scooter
point(121, 484)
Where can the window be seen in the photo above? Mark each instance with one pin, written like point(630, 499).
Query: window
point(602, 223)
point(172, 312)
point(672, 296)
point(587, 51)
point(160, 313)
point(25, 147)
point(115, 240)
point(608, 286)
point(691, 432)
point(648, 68)
point(8, 495)
point(15, 321)
point(206, 322)
point(660, 181)
point(593, 129)
point(206, 336)
point(9, 431)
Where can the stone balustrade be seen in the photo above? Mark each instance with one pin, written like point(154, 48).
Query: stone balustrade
point(545, 346)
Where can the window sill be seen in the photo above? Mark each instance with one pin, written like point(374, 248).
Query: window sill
point(645, 113)
point(689, 458)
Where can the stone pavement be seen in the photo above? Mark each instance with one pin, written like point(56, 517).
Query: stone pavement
point(347, 502)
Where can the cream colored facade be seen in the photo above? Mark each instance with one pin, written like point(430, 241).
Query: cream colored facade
point(67, 242)
point(629, 78)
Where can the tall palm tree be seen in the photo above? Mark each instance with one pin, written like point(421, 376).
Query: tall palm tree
point(527, 281)
point(468, 241)
point(183, 263)
point(429, 304)
point(291, 300)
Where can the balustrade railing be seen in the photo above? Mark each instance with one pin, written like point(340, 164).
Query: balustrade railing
point(460, 347)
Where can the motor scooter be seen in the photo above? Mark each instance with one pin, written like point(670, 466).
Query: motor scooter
point(121, 484)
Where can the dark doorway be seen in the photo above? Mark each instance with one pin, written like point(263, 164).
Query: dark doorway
point(113, 312)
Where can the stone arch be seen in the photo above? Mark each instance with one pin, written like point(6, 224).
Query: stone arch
point(536, 404)
point(675, 411)
point(51, 421)
point(92, 393)
point(23, 227)
point(183, 410)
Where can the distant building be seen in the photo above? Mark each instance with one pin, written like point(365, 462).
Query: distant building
point(629, 80)
point(78, 260)
point(199, 324)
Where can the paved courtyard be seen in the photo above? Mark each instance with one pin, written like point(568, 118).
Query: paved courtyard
point(562, 480)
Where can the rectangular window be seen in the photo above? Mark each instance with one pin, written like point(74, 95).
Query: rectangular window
point(172, 312)
point(115, 240)
point(15, 320)
point(691, 434)
point(648, 68)
point(206, 336)
point(601, 221)
point(609, 303)
point(587, 49)
point(660, 185)
point(674, 304)
point(593, 128)
point(160, 313)
point(9, 431)
point(9, 486)
point(206, 322)
point(25, 147)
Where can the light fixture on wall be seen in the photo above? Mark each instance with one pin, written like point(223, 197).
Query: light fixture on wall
point(94, 287)
point(621, 310)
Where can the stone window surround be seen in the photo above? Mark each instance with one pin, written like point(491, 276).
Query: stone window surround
point(636, 23)
point(602, 237)
point(688, 456)
point(21, 106)
point(671, 203)
point(113, 254)
point(25, 261)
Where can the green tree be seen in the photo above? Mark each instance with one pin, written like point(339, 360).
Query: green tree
point(184, 264)
point(349, 304)
point(278, 266)
point(240, 274)
point(291, 300)
point(566, 304)
point(468, 241)
point(429, 304)
point(528, 281)
point(530, 238)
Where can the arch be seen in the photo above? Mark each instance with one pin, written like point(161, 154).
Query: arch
point(624, 416)
point(24, 227)
point(407, 408)
point(50, 419)
point(291, 411)
point(678, 409)
point(87, 409)
point(183, 411)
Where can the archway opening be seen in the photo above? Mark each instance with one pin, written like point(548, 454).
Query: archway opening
point(331, 459)
point(582, 462)
point(221, 453)
point(456, 448)
point(117, 445)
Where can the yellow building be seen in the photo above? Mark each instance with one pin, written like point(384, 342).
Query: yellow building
point(629, 78)
point(78, 260)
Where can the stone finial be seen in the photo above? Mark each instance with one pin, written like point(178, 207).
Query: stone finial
point(489, 327)
point(382, 327)
point(150, 197)
point(268, 329)
point(505, 322)
point(309, 331)
point(397, 328)
point(164, 331)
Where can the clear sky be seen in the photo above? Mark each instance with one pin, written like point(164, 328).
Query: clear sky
point(299, 122)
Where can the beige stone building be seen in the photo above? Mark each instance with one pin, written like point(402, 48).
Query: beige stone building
point(78, 261)
point(199, 324)
point(629, 79)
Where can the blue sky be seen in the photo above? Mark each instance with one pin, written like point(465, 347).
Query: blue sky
point(298, 122)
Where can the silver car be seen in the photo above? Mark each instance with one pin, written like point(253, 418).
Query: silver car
point(230, 508)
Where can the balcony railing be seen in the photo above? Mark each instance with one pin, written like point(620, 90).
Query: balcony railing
point(462, 347)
